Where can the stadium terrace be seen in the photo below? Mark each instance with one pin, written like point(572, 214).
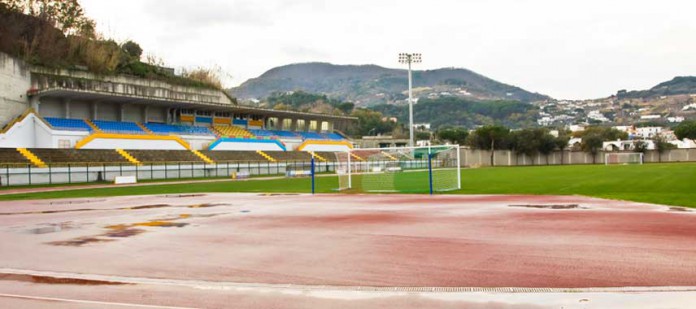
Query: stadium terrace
point(53, 116)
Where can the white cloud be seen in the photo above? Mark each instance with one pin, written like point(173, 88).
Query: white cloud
point(567, 49)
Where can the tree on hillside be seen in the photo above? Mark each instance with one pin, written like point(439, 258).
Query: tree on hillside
point(686, 129)
point(640, 146)
point(592, 144)
point(346, 107)
point(65, 15)
point(531, 142)
point(661, 145)
point(488, 138)
point(423, 136)
point(547, 144)
point(370, 123)
point(454, 135)
point(562, 141)
point(523, 142)
point(132, 49)
point(593, 138)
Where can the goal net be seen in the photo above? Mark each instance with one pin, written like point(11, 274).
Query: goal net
point(623, 158)
point(401, 169)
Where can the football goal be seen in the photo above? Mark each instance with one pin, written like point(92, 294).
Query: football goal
point(623, 158)
point(402, 169)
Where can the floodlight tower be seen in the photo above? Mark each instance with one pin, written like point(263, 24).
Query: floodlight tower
point(410, 58)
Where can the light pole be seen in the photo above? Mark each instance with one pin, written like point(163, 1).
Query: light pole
point(410, 58)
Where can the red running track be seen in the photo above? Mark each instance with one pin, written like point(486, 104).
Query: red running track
point(357, 240)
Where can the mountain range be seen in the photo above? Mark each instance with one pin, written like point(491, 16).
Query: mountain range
point(368, 85)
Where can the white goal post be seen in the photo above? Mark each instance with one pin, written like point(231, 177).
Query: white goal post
point(400, 169)
point(623, 158)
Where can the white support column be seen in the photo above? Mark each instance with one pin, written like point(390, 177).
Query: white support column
point(95, 108)
point(66, 108)
point(35, 104)
point(145, 113)
point(121, 111)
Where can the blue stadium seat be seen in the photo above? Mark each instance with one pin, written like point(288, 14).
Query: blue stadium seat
point(68, 124)
point(333, 136)
point(281, 133)
point(312, 135)
point(195, 130)
point(118, 126)
point(261, 132)
point(163, 128)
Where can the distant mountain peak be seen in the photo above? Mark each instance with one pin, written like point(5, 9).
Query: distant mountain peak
point(372, 84)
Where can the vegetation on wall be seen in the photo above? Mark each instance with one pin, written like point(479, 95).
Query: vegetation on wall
point(57, 34)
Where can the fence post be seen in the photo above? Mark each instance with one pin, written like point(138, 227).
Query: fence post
point(69, 174)
point(29, 174)
point(7, 175)
point(312, 172)
point(50, 175)
point(430, 171)
point(87, 172)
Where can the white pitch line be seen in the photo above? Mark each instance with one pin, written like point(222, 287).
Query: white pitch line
point(90, 302)
point(226, 285)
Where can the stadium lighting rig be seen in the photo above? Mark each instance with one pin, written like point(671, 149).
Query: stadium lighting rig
point(410, 58)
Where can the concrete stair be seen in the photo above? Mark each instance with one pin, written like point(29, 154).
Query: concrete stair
point(203, 157)
point(92, 125)
point(318, 157)
point(144, 128)
point(31, 157)
point(393, 158)
point(128, 156)
point(265, 155)
point(356, 157)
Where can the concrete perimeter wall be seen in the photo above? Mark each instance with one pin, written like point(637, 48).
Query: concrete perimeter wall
point(475, 157)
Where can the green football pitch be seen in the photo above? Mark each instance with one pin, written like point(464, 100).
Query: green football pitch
point(670, 184)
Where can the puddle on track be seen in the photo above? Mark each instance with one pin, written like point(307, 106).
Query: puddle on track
point(277, 194)
point(141, 207)
point(55, 280)
point(551, 206)
point(54, 227)
point(183, 195)
point(122, 231)
point(80, 241)
point(679, 209)
point(69, 202)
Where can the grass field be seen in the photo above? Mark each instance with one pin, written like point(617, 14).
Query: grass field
point(670, 184)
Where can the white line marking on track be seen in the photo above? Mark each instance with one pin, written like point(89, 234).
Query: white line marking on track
point(225, 285)
point(90, 302)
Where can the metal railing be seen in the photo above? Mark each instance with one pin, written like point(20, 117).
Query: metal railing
point(69, 173)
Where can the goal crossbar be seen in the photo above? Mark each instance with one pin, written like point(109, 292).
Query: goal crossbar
point(623, 158)
point(400, 169)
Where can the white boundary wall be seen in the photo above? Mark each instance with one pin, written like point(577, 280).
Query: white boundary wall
point(475, 157)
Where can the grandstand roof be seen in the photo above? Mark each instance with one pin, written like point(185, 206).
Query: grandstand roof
point(122, 89)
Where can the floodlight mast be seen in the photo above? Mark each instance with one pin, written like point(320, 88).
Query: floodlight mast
point(410, 58)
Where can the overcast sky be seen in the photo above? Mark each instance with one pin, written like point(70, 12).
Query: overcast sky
point(573, 49)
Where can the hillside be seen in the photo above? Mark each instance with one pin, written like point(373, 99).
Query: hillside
point(367, 85)
point(676, 86)
point(465, 113)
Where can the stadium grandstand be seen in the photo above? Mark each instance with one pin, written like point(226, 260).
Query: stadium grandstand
point(60, 117)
